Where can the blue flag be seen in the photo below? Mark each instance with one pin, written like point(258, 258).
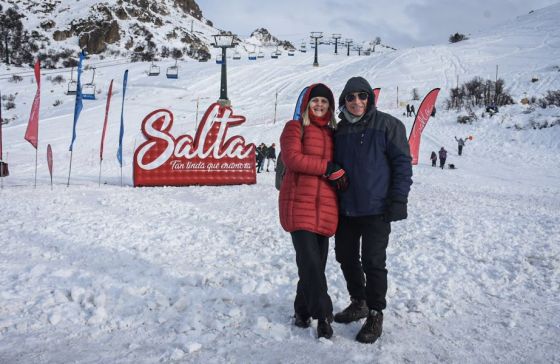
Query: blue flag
point(121, 133)
point(78, 105)
point(297, 114)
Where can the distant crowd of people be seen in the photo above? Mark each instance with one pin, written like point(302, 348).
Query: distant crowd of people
point(268, 153)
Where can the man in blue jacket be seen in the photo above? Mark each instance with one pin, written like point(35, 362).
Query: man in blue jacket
point(373, 149)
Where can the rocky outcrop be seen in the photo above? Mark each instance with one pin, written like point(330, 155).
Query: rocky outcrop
point(96, 40)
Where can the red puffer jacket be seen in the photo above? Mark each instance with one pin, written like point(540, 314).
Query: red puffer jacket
point(307, 201)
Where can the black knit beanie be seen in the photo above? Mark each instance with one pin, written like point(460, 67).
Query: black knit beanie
point(321, 90)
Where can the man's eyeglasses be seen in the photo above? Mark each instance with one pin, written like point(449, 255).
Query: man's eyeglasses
point(362, 96)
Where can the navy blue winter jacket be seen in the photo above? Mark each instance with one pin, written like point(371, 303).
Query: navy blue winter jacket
point(375, 154)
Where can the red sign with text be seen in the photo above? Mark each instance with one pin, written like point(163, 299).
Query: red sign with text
point(210, 158)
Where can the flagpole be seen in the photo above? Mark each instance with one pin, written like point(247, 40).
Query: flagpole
point(121, 175)
point(100, 162)
point(69, 169)
point(36, 162)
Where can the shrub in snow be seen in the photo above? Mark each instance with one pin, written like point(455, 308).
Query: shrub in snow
point(57, 102)
point(478, 92)
point(58, 79)
point(465, 119)
point(552, 98)
point(457, 37)
point(9, 105)
point(15, 79)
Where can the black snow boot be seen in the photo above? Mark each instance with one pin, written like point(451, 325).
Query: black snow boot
point(357, 309)
point(372, 328)
point(324, 329)
point(301, 321)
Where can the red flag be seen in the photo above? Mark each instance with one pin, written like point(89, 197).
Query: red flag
point(376, 94)
point(32, 132)
point(422, 116)
point(50, 159)
point(105, 122)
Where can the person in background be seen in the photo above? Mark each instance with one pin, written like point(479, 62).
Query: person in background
point(271, 156)
point(412, 110)
point(460, 145)
point(433, 158)
point(308, 204)
point(442, 157)
point(407, 110)
point(373, 149)
point(261, 154)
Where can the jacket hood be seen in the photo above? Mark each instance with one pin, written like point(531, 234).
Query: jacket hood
point(357, 84)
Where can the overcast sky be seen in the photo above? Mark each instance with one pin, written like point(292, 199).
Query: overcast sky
point(398, 23)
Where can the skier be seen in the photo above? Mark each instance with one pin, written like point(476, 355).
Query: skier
point(412, 111)
point(308, 204)
point(442, 157)
point(433, 158)
point(407, 110)
point(460, 145)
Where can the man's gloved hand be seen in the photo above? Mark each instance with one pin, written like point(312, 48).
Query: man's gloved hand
point(396, 210)
point(336, 176)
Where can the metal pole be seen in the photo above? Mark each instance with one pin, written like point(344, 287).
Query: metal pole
point(100, 162)
point(316, 62)
point(275, 104)
point(121, 175)
point(196, 117)
point(223, 89)
point(347, 49)
point(36, 163)
point(397, 97)
point(69, 169)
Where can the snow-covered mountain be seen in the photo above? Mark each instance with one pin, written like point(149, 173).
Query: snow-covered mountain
point(114, 274)
point(137, 29)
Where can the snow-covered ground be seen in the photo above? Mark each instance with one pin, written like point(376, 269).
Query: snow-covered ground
point(114, 274)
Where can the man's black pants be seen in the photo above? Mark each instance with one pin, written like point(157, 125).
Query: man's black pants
point(312, 299)
point(374, 234)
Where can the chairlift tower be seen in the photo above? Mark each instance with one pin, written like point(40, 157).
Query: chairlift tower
point(336, 37)
point(316, 36)
point(359, 49)
point(348, 44)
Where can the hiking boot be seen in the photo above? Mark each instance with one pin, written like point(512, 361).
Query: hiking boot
point(357, 309)
point(300, 321)
point(324, 329)
point(372, 328)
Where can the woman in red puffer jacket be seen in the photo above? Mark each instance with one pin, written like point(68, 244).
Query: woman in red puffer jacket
point(308, 202)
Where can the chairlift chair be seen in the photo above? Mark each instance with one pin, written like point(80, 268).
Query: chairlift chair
point(291, 53)
point(72, 85)
point(219, 59)
point(236, 55)
point(274, 55)
point(154, 70)
point(260, 55)
point(173, 71)
point(303, 47)
point(252, 56)
point(88, 89)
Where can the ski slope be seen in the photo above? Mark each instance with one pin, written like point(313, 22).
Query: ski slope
point(111, 274)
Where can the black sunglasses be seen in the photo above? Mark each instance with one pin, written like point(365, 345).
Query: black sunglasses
point(362, 96)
